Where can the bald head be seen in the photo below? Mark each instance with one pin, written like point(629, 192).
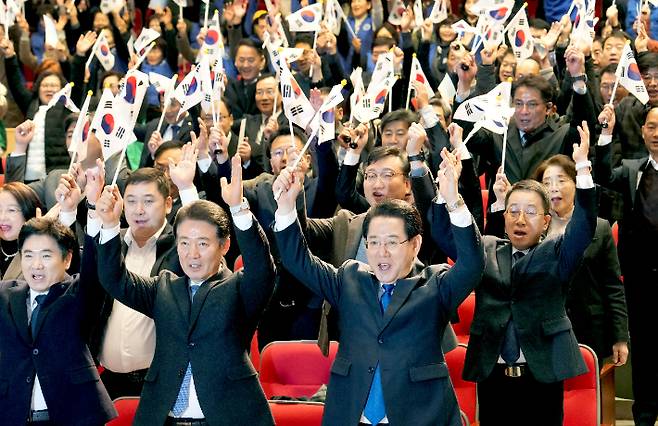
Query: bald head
point(526, 67)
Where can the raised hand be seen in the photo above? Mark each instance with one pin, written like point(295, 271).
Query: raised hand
point(550, 39)
point(7, 48)
point(203, 139)
point(448, 176)
point(642, 39)
point(95, 182)
point(581, 151)
point(85, 42)
point(488, 54)
point(456, 134)
point(575, 61)
point(607, 119)
point(417, 139)
point(182, 173)
point(218, 144)
point(109, 207)
point(232, 192)
point(68, 193)
point(421, 95)
point(288, 185)
point(24, 134)
point(501, 186)
point(244, 150)
point(315, 98)
point(154, 142)
point(271, 127)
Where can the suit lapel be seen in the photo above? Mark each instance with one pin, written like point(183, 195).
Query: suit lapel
point(504, 260)
point(18, 308)
point(635, 170)
point(182, 296)
point(202, 295)
point(54, 293)
point(354, 228)
point(400, 294)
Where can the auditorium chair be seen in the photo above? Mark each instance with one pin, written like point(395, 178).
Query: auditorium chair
point(126, 407)
point(295, 368)
point(297, 413)
point(465, 391)
point(465, 313)
point(582, 398)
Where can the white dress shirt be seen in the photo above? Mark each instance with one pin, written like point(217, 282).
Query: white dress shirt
point(38, 401)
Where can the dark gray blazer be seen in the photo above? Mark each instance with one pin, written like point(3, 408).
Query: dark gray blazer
point(213, 333)
point(404, 341)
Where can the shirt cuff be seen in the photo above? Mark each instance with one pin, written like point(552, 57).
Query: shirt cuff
point(93, 225)
point(584, 182)
point(419, 171)
point(461, 149)
point(282, 221)
point(461, 217)
point(108, 234)
point(430, 119)
point(604, 140)
point(581, 89)
point(499, 205)
point(16, 154)
point(246, 164)
point(67, 218)
point(243, 221)
point(204, 164)
point(439, 199)
point(351, 158)
point(188, 195)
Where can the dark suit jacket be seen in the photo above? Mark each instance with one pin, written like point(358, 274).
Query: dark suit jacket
point(166, 259)
point(404, 341)
point(258, 149)
point(183, 135)
point(533, 292)
point(212, 333)
point(241, 98)
point(58, 353)
point(45, 188)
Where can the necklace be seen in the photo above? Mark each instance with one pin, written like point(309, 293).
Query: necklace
point(7, 256)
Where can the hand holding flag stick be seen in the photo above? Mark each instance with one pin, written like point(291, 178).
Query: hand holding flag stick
point(299, 157)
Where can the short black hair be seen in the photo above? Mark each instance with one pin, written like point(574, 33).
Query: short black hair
point(647, 61)
point(609, 69)
point(413, 223)
point(538, 83)
point(559, 160)
point(263, 76)
point(533, 186)
point(405, 115)
point(247, 42)
point(148, 175)
point(166, 146)
point(539, 24)
point(63, 235)
point(25, 196)
point(303, 38)
point(205, 211)
point(616, 34)
point(284, 131)
point(389, 151)
point(383, 41)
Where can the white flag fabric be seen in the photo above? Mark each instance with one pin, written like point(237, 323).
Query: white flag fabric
point(334, 97)
point(81, 132)
point(518, 32)
point(439, 11)
point(583, 27)
point(50, 30)
point(205, 77)
point(332, 16)
point(496, 11)
point(146, 37)
point(290, 54)
point(629, 75)
point(418, 13)
point(190, 91)
point(418, 75)
point(306, 19)
point(327, 126)
point(103, 53)
point(372, 103)
point(131, 95)
point(64, 97)
point(163, 84)
point(358, 90)
point(462, 27)
point(498, 112)
point(110, 125)
point(447, 89)
point(109, 6)
point(477, 108)
point(213, 44)
point(12, 11)
point(384, 68)
point(396, 12)
point(296, 105)
point(180, 3)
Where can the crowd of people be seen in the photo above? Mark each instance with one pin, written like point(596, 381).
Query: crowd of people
point(160, 262)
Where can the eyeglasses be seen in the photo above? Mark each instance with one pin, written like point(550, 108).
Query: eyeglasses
point(515, 212)
point(385, 176)
point(532, 105)
point(268, 92)
point(388, 245)
point(649, 77)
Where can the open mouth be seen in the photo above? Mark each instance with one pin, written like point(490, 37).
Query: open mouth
point(519, 233)
point(384, 267)
point(5, 228)
point(38, 277)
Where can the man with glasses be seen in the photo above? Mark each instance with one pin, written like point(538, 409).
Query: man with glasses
point(389, 368)
point(531, 136)
point(522, 346)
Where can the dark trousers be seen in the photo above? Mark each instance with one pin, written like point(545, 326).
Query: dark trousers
point(641, 294)
point(123, 384)
point(519, 401)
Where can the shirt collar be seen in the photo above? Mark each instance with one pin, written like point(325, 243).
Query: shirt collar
point(128, 238)
point(653, 163)
point(34, 294)
point(514, 250)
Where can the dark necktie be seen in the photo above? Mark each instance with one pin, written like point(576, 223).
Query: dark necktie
point(524, 139)
point(511, 349)
point(375, 409)
point(183, 399)
point(35, 313)
point(174, 131)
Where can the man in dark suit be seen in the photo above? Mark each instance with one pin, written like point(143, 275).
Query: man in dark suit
point(48, 375)
point(389, 367)
point(239, 95)
point(204, 320)
point(522, 346)
point(636, 180)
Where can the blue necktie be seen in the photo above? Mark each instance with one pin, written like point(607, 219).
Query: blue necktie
point(183, 400)
point(35, 313)
point(375, 409)
point(174, 131)
point(511, 349)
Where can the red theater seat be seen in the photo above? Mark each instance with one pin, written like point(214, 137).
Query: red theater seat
point(126, 407)
point(295, 368)
point(297, 413)
point(465, 313)
point(582, 402)
point(465, 391)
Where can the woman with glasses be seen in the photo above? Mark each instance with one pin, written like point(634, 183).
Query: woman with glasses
point(18, 204)
point(595, 303)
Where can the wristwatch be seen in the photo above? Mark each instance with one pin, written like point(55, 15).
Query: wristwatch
point(582, 77)
point(457, 204)
point(89, 205)
point(244, 205)
point(418, 157)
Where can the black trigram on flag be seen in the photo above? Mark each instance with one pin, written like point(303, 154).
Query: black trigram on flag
point(186, 87)
point(108, 105)
point(296, 110)
point(120, 132)
point(287, 91)
point(468, 109)
point(107, 143)
point(366, 103)
point(206, 97)
point(517, 54)
point(521, 21)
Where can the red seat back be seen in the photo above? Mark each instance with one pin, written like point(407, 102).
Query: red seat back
point(615, 232)
point(465, 391)
point(297, 413)
point(126, 407)
point(295, 368)
point(254, 353)
point(465, 313)
point(582, 403)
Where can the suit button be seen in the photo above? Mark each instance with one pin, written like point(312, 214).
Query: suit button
point(380, 340)
point(28, 379)
point(35, 351)
point(181, 372)
point(371, 370)
point(191, 345)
